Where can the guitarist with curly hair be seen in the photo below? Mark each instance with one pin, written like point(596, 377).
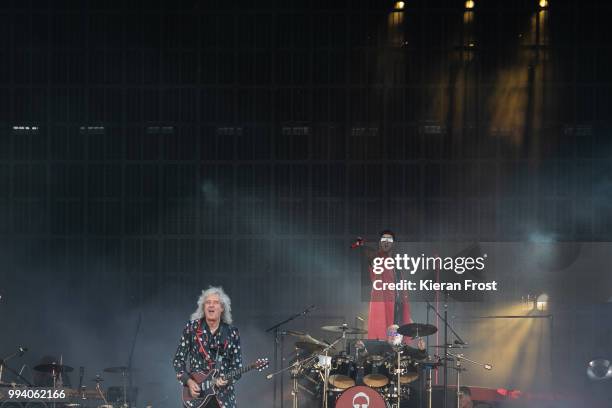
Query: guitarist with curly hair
point(210, 346)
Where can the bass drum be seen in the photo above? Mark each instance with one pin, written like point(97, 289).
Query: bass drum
point(361, 397)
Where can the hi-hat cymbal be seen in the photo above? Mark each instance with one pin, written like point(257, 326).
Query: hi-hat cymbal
point(119, 370)
point(53, 368)
point(417, 330)
point(309, 347)
point(344, 328)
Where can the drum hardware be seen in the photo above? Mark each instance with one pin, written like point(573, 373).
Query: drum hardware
point(398, 370)
point(459, 340)
point(278, 344)
point(296, 369)
point(344, 328)
point(451, 346)
point(458, 358)
point(125, 374)
point(19, 353)
point(429, 366)
point(327, 360)
point(98, 380)
point(377, 347)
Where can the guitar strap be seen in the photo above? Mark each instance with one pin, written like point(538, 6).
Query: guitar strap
point(223, 337)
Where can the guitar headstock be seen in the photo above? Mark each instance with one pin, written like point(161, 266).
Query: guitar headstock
point(261, 364)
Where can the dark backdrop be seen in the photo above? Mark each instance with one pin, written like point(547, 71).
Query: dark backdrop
point(148, 149)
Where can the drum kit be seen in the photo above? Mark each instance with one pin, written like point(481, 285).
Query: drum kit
point(114, 397)
point(348, 373)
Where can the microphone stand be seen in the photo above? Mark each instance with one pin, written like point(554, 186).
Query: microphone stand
point(447, 326)
point(129, 368)
point(278, 342)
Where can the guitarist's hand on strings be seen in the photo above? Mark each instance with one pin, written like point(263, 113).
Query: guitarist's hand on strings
point(220, 382)
point(194, 388)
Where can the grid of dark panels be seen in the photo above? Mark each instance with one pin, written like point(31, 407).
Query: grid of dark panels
point(188, 138)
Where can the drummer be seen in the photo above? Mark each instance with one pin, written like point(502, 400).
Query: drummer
point(396, 339)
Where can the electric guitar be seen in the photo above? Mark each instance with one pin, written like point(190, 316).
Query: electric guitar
point(207, 380)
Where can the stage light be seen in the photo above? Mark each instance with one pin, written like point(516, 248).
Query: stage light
point(599, 369)
point(469, 4)
point(399, 5)
point(542, 302)
point(543, 3)
point(528, 303)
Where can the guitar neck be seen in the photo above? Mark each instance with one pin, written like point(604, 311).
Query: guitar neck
point(238, 371)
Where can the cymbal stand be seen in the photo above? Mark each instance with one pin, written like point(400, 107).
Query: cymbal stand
point(327, 367)
point(428, 387)
point(399, 376)
point(98, 380)
point(459, 340)
point(124, 374)
point(294, 391)
point(429, 366)
point(458, 358)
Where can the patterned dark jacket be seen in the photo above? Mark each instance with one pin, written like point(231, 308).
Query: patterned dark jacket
point(220, 350)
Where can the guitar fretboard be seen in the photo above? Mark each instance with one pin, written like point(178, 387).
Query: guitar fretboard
point(238, 371)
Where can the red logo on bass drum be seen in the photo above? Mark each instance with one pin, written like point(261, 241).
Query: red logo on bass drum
point(360, 397)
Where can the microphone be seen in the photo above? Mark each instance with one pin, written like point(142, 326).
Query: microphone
point(360, 318)
point(488, 367)
point(358, 242)
point(22, 350)
point(461, 343)
point(269, 376)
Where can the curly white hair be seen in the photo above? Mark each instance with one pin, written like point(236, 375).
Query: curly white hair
point(226, 302)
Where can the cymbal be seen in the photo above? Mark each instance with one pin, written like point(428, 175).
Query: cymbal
point(343, 329)
point(310, 339)
point(417, 329)
point(119, 370)
point(295, 333)
point(10, 385)
point(53, 368)
point(452, 346)
point(310, 347)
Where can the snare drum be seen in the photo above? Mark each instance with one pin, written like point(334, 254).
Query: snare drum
point(343, 372)
point(375, 372)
